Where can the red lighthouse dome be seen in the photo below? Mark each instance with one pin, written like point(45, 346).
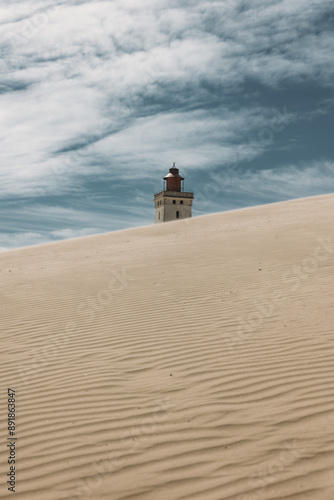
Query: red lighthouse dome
point(173, 180)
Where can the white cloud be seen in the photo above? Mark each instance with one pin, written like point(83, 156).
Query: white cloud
point(57, 223)
point(10, 241)
point(231, 188)
point(88, 62)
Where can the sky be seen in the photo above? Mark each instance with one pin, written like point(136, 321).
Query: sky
point(98, 99)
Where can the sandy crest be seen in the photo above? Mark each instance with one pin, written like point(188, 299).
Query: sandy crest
point(189, 360)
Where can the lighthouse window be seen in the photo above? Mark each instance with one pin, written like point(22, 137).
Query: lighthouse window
point(174, 201)
point(181, 201)
point(177, 214)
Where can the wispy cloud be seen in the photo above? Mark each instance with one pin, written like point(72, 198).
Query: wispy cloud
point(250, 187)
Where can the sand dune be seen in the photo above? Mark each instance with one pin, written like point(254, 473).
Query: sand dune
point(189, 360)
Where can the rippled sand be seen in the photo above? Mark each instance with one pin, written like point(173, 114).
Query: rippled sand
point(190, 360)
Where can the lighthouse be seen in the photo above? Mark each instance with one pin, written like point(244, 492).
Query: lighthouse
point(173, 202)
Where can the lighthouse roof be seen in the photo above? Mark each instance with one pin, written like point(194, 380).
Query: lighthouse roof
point(174, 172)
point(177, 175)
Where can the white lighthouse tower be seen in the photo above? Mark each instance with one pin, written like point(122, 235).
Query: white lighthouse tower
point(173, 202)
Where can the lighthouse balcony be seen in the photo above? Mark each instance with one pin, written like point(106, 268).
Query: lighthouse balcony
point(174, 194)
